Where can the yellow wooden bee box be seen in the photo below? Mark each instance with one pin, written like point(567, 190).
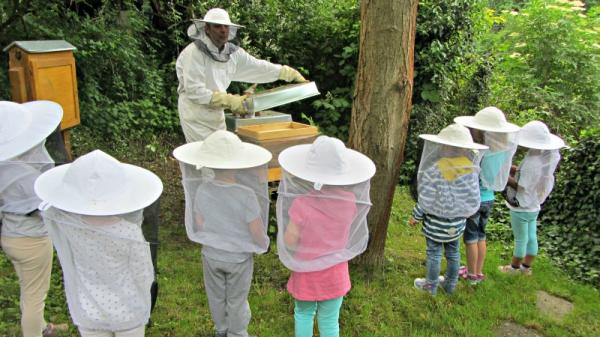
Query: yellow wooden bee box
point(45, 70)
point(273, 131)
point(277, 137)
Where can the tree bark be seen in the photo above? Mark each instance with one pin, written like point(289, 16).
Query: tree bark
point(381, 106)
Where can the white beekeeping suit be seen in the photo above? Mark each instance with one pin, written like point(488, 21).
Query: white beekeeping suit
point(93, 209)
point(205, 72)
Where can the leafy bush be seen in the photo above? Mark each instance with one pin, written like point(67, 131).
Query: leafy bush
point(570, 218)
point(450, 73)
point(547, 65)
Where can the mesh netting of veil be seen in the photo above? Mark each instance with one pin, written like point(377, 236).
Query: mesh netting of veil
point(107, 268)
point(536, 177)
point(17, 177)
point(496, 162)
point(227, 209)
point(318, 229)
point(448, 180)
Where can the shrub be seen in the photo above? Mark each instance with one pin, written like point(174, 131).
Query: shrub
point(547, 65)
point(570, 218)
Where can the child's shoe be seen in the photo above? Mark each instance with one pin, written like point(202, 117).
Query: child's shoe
point(473, 279)
point(462, 272)
point(508, 269)
point(421, 283)
point(525, 270)
point(51, 330)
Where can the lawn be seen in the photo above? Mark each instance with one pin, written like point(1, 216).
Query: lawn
point(381, 303)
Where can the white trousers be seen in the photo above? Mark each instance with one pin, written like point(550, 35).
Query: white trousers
point(227, 286)
point(135, 332)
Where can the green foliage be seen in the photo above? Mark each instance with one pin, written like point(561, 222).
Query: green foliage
point(450, 74)
point(571, 228)
point(123, 89)
point(548, 65)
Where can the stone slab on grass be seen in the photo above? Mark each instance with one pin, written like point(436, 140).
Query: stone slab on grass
point(553, 306)
point(512, 329)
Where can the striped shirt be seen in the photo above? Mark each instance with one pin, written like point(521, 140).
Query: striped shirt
point(457, 198)
point(437, 228)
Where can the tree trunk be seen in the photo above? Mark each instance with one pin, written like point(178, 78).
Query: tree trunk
point(382, 104)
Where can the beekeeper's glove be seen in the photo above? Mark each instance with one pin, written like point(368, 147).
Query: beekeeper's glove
point(235, 103)
point(290, 74)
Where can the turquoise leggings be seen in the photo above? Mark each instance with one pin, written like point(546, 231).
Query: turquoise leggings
point(524, 230)
point(328, 314)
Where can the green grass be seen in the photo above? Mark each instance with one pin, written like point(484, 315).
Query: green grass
point(381, 302)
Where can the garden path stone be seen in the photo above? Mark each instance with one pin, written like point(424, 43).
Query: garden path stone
point(512, 329)
point(553, 306)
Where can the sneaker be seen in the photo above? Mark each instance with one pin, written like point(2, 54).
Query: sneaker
point(51, 330)
point(525, 271)
point(421, 283)
point(508, 269)
point(473, 280)
point(481, 277)
point(462, 272)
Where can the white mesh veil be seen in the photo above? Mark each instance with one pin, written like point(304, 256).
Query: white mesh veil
point(17, 177)
point(227, 208)
point(448, 180)
point(318, 229)
point(107, 268)
point(536, 177)
point(496, 162)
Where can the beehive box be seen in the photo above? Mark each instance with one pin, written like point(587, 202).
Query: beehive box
point(45, 70)
point(277, 137)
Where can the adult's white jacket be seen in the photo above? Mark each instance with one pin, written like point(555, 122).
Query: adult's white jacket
point(199, 76)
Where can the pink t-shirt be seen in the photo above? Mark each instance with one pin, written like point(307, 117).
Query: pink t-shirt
point(324, 224)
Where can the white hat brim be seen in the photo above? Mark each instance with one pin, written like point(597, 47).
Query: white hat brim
point(45, 117)
point(554, 143)
point(294, 159)
point(253, 155)
point(471, 122)
point(219, 22)
point(144, 187)
point(437, 139)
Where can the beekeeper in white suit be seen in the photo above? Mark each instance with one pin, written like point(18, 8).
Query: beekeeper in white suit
point(207, 66)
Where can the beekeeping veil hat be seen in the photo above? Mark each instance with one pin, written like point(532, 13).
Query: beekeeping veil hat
point(226, 194)
point(448, 176)
point(322, 204)
point(222, 150)
point(26, 125)
point(487, 119)
point(215, 16)
point(98, 184)
point(501, 137)
point(327, 161)
point(535, 135)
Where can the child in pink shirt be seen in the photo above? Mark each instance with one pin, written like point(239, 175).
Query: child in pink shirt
point(322, 206)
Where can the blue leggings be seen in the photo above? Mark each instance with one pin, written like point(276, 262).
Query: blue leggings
point(524, 230)
point(328, 314)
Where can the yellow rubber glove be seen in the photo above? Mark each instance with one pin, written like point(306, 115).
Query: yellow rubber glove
point(290, 74)
point(235, 103)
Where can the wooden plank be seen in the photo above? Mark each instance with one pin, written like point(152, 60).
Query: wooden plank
point(274, 174)
point(53, 77)
point(18, 90)
point(277, 130)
